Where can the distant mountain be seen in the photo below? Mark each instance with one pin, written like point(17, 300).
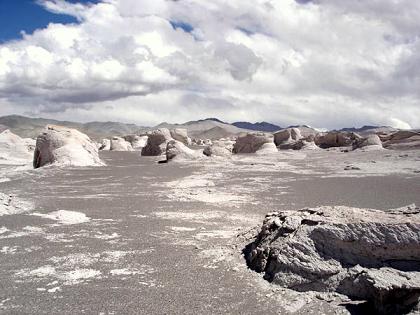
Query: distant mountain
point(210, 128)
point(31, 127)
point(259, 126)
point(370, 129)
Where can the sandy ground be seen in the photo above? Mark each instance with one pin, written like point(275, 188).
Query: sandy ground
point(140, 237)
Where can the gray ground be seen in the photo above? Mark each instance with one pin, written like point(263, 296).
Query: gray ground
point(162, 238)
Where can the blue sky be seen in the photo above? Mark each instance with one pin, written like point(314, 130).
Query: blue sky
point(325, 63)
point(27, 15)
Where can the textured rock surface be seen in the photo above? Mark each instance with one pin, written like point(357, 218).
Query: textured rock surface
point(403, 139)
point(176, 150)
point(372, 141)
point(181, 135)
point(336, 139)
point(287, 136)
point(14, 149)
point(120, 144)
point(362, 253)
point(137, 142)
point(65, 146)
point(219, 148)
point(252, 142)
point(156, 142)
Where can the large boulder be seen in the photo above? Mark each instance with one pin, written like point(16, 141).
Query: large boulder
point(252, 142)
point(15, 150)
point(219, 148)
point(65, 146)
point(289, 135)
point(371, 142)
point(298, 145)
point(402, 139)
point(362, 253)
point(156, 142)
point(120, 144)
point(137, 142)
point(336, 139)
point(181, 135)
point(176, 150)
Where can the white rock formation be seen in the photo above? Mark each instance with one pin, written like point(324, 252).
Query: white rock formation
point(14, 150)
point(402, 140)
point(252, 142)
point(267, 148)
point(176, 150)
point(181, 135)
point(289, 135)
point(137, 142)
point(372, 142)
point(156, 142)
point(365, 254)
point(105, 145)
point(65, 146)
point(219, 148)
point(119, 144)
point(336, 139)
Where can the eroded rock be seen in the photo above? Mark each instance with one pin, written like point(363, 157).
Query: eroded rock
point(365, 254)
point(65, 146)
point(176, 150)
point(156, 142)
point(120, 144)
point(181, 135)
point(252, 142)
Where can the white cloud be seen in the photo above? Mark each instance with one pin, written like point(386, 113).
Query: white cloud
point(321, 62)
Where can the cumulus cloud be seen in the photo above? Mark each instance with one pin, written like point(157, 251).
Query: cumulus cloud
point(318, 62)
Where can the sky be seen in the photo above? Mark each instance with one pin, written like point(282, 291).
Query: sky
point(323, 63)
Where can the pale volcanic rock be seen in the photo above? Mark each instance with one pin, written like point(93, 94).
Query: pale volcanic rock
point(14, 150)
point(181, 135)
point(120, 144)
point(252, 142)
point(220, 148)
point(287, 135)
point(137, 142)
point(402, 139)
point(65, 146)
point(336, 139)
point(363, 253)
point(156, 142)
point(372, 141)
point(176, 150)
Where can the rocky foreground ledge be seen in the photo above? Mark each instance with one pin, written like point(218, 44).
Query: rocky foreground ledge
point(365, 254)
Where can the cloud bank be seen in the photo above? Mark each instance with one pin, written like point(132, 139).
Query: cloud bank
point(322, 62)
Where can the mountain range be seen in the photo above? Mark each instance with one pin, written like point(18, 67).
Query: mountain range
point(209, 128)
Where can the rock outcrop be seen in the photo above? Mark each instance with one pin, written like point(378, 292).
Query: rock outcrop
point(65, 146)
point(120, 144)
point(371, 142)
point(252, 142)
point(14, 149)
point(136, 142)
point(402, 140)
point(219, 148)
point(176, 150)
point(181, 135)
point(156, 142)
point(336, 139)
point(286, 136)
point(365, 254)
